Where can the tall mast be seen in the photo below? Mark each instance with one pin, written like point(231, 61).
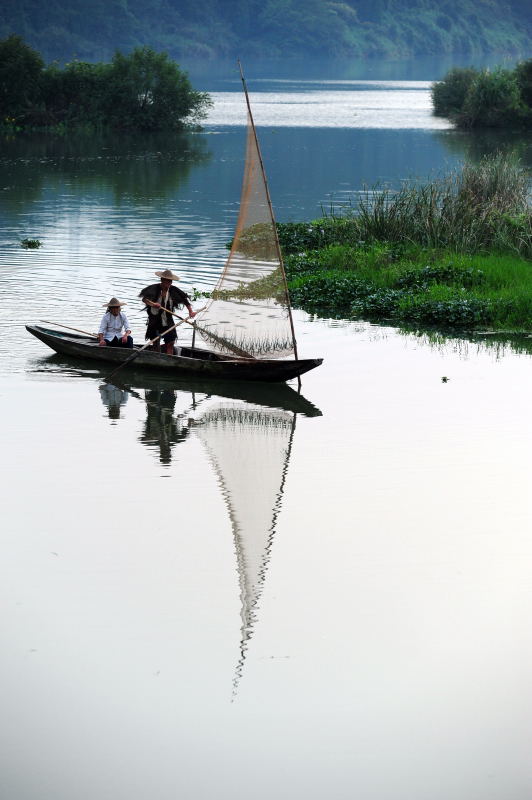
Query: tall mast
point(276, 236)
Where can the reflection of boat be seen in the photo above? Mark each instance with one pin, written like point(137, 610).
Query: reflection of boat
point(190, 361)
point(246, 331)
point(270, 395)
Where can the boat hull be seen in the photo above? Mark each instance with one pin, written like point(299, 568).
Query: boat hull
point(195, 362)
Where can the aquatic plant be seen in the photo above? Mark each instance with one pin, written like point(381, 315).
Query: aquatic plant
point(30, 244)
point(479, 208)
point(421, 286)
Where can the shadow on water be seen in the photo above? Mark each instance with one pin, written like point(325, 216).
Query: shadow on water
point(247, 431)
point(474, 145)
point(139, 167)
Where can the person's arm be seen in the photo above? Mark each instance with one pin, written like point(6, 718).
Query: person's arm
point(149, 302)
point(101, 331)
point(180, 297)
point(127, 329)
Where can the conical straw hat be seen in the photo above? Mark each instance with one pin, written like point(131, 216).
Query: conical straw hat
point(168, 274)
point(114, 302)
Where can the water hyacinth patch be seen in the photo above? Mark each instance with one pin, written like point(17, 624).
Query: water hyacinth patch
point(415, 285)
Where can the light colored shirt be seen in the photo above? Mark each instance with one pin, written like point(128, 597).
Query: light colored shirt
point(112, 326)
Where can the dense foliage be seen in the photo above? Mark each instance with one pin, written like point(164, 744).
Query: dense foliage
point(482, 98)
point(141, 91)
point(216, 28)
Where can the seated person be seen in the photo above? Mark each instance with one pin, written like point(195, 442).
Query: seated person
point(114, 328)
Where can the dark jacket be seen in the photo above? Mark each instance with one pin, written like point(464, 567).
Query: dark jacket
point(177, 297)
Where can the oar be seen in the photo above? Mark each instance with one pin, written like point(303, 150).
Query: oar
point(133, 356)
point(92, 335)
point(236, 350)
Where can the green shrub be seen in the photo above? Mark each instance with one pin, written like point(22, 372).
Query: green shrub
point(20, 79)
point(523, 72)
point(379, 304)
point(449, 94)
point(492, 100)
point(144, 90)
point(332, 291)
point(440, 307)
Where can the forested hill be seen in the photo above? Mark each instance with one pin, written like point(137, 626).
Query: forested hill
point(92, 30)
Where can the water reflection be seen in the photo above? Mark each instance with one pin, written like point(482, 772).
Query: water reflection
point(474, 145)
point(249, 449)
point(113, 398)
point(137, 167)
point(248, 443)
point(164, 429)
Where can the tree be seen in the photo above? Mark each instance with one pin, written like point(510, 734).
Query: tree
point(75, 94)
point(449, 94)
point(492, 100)
point(523, 72)
point(148, 91)
point(20, 78)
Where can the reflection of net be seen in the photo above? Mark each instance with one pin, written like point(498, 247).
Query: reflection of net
point(249, 308)
point(249, 449)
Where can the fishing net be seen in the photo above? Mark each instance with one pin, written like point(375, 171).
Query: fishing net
point(249, 313)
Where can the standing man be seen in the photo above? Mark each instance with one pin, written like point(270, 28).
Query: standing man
point(160, 296)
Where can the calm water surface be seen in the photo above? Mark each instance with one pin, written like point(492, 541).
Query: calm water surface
point(212, 590)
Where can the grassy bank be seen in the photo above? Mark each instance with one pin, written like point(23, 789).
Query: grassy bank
point(452, 254)
point(416, 285)
point(455, 253)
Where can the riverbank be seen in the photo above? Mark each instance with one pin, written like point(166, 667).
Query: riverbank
point(455, 253)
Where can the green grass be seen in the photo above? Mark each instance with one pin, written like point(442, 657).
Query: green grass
point(413, 284)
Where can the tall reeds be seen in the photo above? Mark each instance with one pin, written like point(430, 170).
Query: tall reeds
point(482, 207)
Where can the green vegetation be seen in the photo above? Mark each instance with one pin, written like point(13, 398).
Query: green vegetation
point(282, 28)
point(453, 254)
point(413, 284)
point(30, 244)
point(480, 208)
point(482, 98)
point(143, 91)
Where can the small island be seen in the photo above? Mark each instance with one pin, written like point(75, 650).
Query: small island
point(142, 91)
point(483, 98)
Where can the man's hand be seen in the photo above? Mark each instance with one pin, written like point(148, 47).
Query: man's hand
point(124, 338)
point(101, 343)
point(152, 303)
point(191, 313)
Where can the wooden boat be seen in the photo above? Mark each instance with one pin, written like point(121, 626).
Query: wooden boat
point(246, 330)
point(189, 361)
point(135, 379)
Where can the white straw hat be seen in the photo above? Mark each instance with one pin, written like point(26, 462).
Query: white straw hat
point(113, 302)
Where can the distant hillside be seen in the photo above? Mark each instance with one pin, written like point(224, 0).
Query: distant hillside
point(93, 29)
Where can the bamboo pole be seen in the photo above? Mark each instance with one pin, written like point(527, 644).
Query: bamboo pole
point(92, 335)
point(133, 356)
point(270, 206)
point(236, 350)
